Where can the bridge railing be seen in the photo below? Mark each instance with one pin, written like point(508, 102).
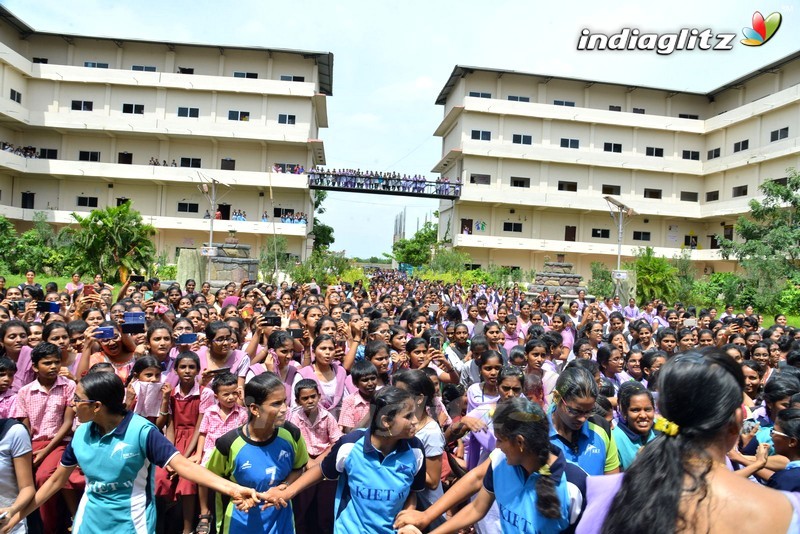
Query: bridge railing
point(383, 184)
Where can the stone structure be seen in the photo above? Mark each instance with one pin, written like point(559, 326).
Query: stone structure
point(557, 278)
point(232, 263)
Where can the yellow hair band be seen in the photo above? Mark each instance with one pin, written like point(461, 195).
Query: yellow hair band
point(545, 470)
point(667, 427)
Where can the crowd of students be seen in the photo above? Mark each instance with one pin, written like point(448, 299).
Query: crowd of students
point(383, 181)
point(390, 405)
point(24, 151)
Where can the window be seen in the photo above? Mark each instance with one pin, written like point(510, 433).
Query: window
point(517, 181)
point(82, 105)
point(713, 153)
point(481, 135)
point(86, 155)
point(28, 200)
point(287, 167)
point(611, 189)
point(143, 68)
point(95, 65)
point(239, 74)
point(741, 145)
point(480, 179)
point(512, 227)
point(572, 187)
point(286, 119)
point(569, 143)
point(691, 154)
point(291, 78)
point(614, 108)
point(519, 139)
point(612, 147)
point(122, 200)
point(777, 135)
point(238, 115)
point(711, 196)
point(478, 94)
point(282, 212)
point(42, 60)
point(185, 70)
point(688, 116)
point(567, 103)
point(652, 193)
point(189, 112)
point(190, 162)
point(689, 196)
point(640, 111)
point(739, 191)
point(48, 153)
point(601, 233)
point(690, 241)
point(188, 207)
point(227, 164)
point(781, 181)
point(641, 236)
point(87, 202)
point(654, 151)
point(16, 96)
point(137, 109)
point(516, 98)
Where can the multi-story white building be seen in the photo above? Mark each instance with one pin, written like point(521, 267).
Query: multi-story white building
point(97, 111)
point(537, 154)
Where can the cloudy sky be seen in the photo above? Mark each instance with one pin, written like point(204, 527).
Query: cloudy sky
point(392, 59)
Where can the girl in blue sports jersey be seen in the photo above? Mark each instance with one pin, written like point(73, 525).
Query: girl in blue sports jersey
point(266, 452)
point(525, 477)
point(118, 450)
point(379, 468)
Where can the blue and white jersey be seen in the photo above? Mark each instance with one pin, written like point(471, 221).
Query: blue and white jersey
point(372, 488)
point(120, 475)
point(515, 494)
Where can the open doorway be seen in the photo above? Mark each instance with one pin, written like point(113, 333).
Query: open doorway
point(125, 158)
point(466, 226)
point(225, 210)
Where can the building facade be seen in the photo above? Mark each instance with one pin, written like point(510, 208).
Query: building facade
point(538, 154)
point(84, 120)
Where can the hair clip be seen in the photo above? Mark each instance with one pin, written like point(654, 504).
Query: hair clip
point(545, 470)
point(525, 417)
point(667, 427)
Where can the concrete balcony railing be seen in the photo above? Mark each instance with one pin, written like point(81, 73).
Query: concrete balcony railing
point(147, 173)
point(576, 247)
point(62, 217)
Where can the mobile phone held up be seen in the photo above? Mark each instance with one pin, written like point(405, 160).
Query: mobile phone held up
point(47, 307)
point(134, 323)
point(187, 339)
point(270, 321)
point(105, 332)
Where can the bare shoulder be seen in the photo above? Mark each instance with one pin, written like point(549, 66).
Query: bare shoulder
point(739, 500)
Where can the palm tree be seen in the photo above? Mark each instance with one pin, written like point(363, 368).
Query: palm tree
point(112, 242)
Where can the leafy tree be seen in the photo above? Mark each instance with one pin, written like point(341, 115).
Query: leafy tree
point(601, 284)
point(274, 257)
point(771, 231)
point(417, 250)
point(449, 260)
point(112, 242)
point(769, 240)
point(655, 276)
point(685, 276)
point(40, 249)
point(323, 235)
